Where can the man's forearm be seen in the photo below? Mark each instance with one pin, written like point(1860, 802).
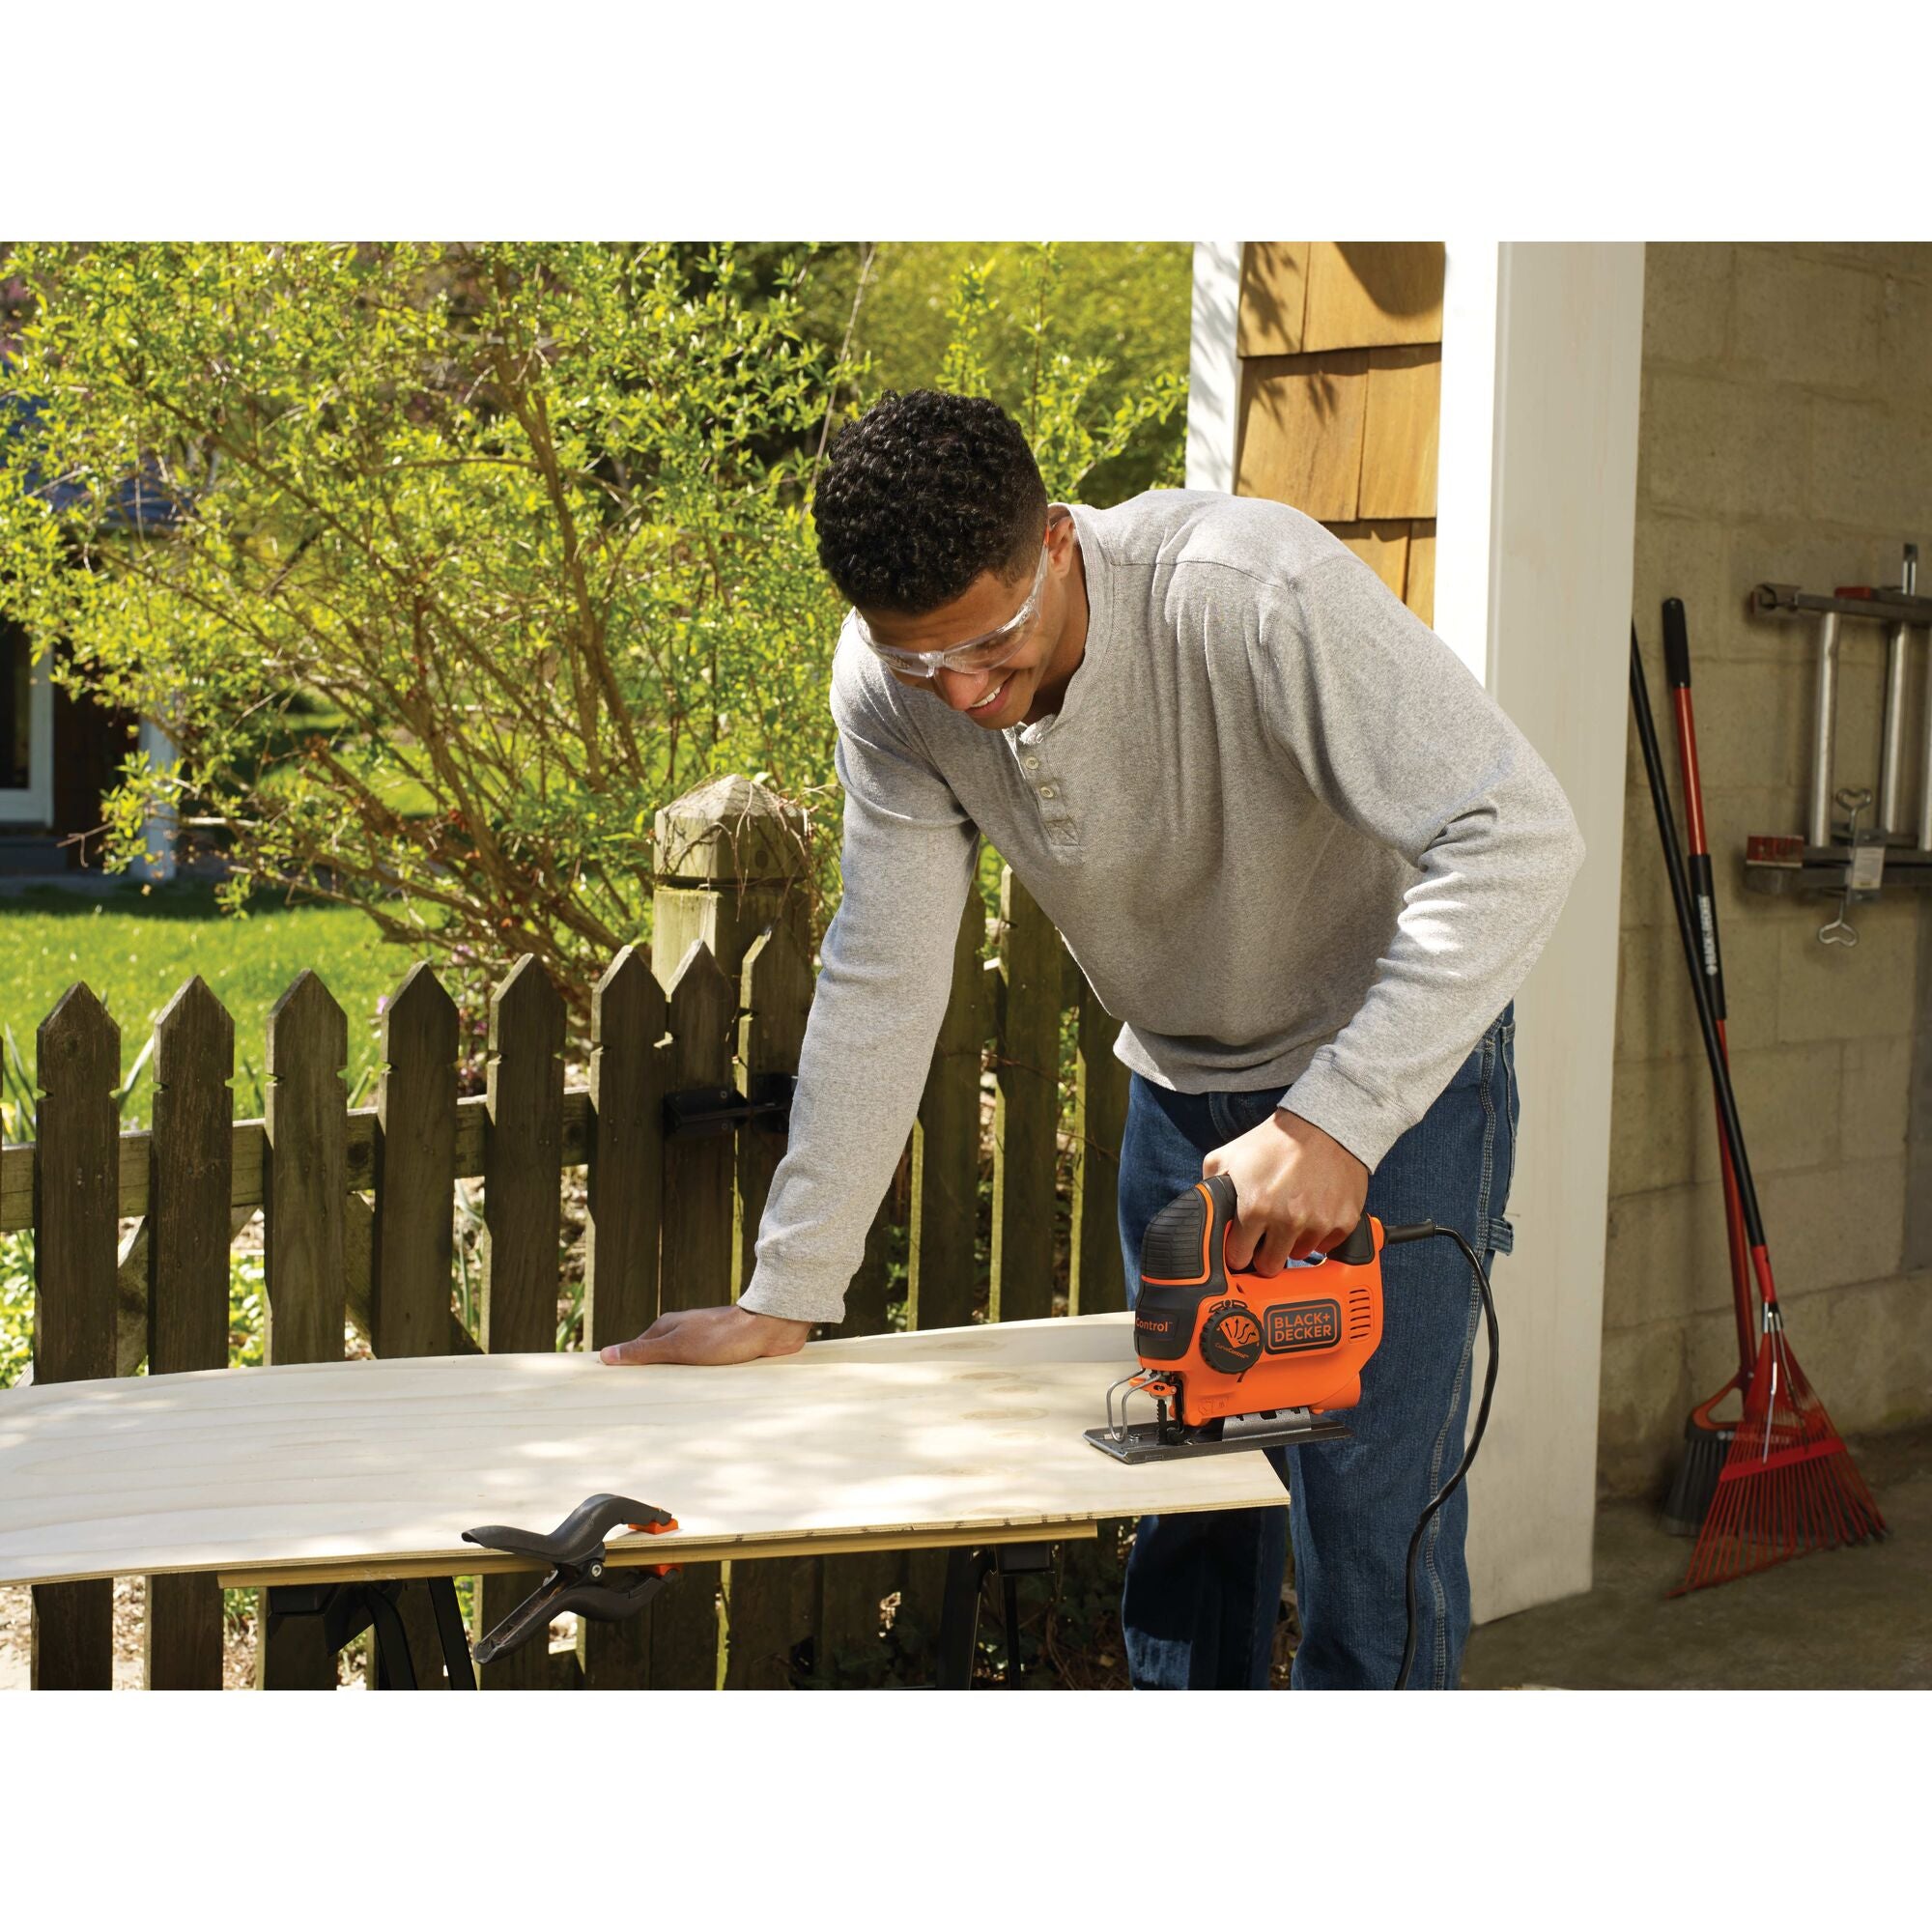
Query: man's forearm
point(886, 970)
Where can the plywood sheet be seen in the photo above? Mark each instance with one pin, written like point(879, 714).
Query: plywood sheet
point(1383, 546)
point(1373, 294)
point(1274, 297)
point(357, 1461)
point(1301, 432)
point(1399, 432)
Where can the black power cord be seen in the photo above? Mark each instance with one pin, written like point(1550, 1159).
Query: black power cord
point(1393, 1238)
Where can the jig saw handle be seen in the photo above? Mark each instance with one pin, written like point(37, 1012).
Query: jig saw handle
point(1185, 1244)
point(1359, 1247)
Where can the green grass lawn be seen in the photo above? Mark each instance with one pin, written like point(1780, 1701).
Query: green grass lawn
point(137, 951)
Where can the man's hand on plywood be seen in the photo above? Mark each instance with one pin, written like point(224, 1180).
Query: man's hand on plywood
point(710, 1336)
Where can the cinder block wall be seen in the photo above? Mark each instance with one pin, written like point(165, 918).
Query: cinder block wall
point(1786, 435)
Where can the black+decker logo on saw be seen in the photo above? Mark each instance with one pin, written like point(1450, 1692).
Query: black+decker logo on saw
point(1292, 1327)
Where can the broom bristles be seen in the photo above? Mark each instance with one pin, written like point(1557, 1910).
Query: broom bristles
point(1789, 1485)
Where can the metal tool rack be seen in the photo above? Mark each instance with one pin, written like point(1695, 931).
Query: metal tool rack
point(1834, 854)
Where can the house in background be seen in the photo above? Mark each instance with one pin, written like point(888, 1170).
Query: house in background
point(59, 753)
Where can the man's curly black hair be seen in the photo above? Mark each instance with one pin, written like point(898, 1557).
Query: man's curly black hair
point(923, 493)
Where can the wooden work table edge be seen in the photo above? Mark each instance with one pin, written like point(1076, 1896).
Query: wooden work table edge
point(630, 1551)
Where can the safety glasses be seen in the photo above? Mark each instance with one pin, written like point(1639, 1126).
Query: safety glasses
point(983, 653)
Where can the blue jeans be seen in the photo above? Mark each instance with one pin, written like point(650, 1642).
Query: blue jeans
point(1202, 1589)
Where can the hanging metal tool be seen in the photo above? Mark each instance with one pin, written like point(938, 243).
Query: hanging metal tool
point(1864, 870)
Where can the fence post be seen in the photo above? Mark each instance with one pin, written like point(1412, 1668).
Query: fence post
point(624, 1184)
point(731, 860)
point(412, 1248)
point(694, 1271)
point(76, 1199)
point(775, 995)
point(305, 1175)
point(843, 1615)
point(770, 1605)
point(942, 1258)
point(304, 1205)
point(624, 1188)
point(1095, 1282)
point(411, 1237)
point(522, 1220)
point(189, 1184)
point(731, 868)
point(1027, 1108)
point(940, 1263)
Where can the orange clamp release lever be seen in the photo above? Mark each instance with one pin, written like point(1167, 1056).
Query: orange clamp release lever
point(660, 1529)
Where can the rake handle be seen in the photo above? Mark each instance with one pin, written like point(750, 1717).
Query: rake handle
point(1677, 670)
point(1679, 897)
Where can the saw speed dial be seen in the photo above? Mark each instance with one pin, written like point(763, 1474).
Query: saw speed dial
point(1230, 1338)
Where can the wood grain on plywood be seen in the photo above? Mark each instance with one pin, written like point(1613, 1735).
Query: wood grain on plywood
point(357, 1461)
point(1301, 432)
point(1274, 299)
point(1398, 433)
point(1372, 295)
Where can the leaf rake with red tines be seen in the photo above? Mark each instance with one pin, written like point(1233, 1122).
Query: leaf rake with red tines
point(1788, 1485)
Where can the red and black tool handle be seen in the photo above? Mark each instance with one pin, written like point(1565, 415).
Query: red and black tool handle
point(1714, 1052)
point(1677, 670)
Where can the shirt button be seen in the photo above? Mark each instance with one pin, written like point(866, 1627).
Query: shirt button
point(1047, 791)
point(1033, 765)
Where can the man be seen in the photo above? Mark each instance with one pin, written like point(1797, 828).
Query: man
point(1294, 847)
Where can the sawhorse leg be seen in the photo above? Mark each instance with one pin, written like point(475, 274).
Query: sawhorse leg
point(347, 1609)
point(966, 1573)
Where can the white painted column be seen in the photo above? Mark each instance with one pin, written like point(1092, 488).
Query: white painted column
point(1213, 369)
point(1538, 566)
point(1466, 451)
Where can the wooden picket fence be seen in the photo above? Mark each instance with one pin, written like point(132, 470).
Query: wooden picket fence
point(357, 1207)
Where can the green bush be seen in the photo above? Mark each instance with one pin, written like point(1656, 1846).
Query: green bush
point(457, 562)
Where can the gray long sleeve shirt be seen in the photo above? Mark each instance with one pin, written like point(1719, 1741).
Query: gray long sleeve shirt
point(1288, 837)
